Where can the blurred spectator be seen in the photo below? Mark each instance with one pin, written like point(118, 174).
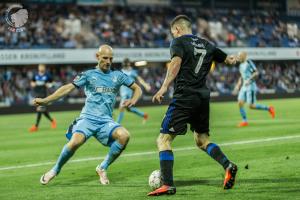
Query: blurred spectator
point(283, 76)
point(74, 26)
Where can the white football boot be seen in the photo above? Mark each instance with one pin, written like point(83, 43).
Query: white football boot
point(46, 178)
point(102, 175)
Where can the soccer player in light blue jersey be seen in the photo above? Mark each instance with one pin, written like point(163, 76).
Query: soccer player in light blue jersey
point(126, 93)
point(247, 89)
point(101, 86)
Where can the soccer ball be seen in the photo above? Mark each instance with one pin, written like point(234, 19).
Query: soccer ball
point(155, 179)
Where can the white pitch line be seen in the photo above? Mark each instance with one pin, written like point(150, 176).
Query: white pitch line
point(155, 152)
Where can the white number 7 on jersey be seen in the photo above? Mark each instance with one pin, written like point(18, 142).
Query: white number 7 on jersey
point(200, 61)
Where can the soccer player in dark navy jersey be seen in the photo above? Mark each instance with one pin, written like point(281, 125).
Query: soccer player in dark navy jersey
point(40, 82)
point(191, 59)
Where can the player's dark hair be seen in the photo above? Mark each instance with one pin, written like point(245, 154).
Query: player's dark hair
point(126, 62)
point(182, 19)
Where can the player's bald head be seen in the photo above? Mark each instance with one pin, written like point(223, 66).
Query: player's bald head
point(242, 56)
point(182, 21)
point(105, 49)
point(105, 57)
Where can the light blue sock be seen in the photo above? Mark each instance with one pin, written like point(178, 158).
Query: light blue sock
point(261, 107)
point(120, 117)
point(243, 114)
point(136, 111)
point(65, 155)
point(115, 150)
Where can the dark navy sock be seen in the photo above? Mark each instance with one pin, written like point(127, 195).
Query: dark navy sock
point(38, 118)
point(46, 113)
point(166, 166)
point(215, 152)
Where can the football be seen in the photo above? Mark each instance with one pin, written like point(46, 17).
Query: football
point(155, 180)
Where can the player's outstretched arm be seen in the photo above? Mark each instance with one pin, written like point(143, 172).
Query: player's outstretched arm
point(172, 72)
point(59, 93)
point(144, 83)
point(137, 93)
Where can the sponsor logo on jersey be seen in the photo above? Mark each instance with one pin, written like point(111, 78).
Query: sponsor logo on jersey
point(103, 89)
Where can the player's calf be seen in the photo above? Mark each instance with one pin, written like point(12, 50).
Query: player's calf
point(166, 165)
point(214, 151)
point(121, 137)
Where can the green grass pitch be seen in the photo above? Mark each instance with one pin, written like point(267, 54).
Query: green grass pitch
point(273, 158)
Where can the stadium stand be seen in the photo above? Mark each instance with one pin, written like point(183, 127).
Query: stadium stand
point(75, 26)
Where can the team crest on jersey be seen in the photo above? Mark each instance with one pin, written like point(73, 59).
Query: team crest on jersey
point(114, 79)
point(93, 80)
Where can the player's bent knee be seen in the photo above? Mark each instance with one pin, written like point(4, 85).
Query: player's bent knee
point(202, 140)
point(241, 103)
point(252, 106)
point(76, 141)
point(164, 142)
point(122, 135)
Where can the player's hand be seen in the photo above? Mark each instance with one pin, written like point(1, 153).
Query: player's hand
point(235, 92)
point(40, 102)
point(159, 95)
point(147, 87)
point(129, 103)
point(247, 82)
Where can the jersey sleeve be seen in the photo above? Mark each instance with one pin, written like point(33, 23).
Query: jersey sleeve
point(33, 78)
point(80, 80)
point(176, 48)
point(252, 66)
point(49, 78)
point(134, 74)
point(125, 80)
point(219, 55)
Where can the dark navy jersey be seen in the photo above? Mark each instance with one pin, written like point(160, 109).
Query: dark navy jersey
point(197, 55)
point(40, 90)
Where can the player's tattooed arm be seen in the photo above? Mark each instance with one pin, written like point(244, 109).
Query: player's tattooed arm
point(59, 93)
point(172, 72)
point(137, 93)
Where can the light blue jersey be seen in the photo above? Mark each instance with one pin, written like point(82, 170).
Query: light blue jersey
point(247, 68)
point(126, 92)
point(101, 90)
point(247, 92)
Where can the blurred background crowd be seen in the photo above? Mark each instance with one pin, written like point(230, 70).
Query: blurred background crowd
point(75, 26)
point(279, 77)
